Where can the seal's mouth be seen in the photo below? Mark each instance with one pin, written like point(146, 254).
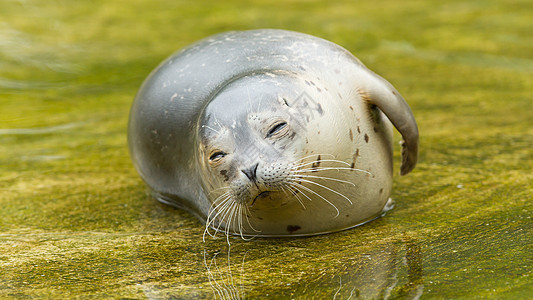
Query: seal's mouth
point(260, 195)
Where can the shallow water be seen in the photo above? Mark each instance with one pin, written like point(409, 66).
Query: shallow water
point(76, 220)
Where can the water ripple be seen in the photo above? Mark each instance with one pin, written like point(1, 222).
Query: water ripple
point(40, 130)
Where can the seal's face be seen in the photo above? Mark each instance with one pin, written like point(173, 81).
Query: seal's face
point(270, 160)
point(249, 153)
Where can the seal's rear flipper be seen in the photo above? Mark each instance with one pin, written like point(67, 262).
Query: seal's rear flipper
point(376, 90)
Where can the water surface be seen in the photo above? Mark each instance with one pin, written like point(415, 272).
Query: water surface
point(76, 220)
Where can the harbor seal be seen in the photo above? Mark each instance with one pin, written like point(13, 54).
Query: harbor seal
point(270, 133)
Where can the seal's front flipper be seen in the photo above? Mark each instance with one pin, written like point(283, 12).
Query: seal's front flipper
point(376, 90)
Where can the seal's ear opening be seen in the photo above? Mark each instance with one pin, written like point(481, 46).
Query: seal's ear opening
point(381, 93)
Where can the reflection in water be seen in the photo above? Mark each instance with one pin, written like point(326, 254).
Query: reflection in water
point(394, 272)
point(388, 272)
point(347, 265)
point(413, 259)
point(221, 282)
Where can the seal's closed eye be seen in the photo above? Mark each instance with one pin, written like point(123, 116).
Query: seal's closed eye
point(216, 156)
point(278, 129)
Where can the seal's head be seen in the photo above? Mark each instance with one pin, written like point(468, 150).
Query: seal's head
point(251, 141)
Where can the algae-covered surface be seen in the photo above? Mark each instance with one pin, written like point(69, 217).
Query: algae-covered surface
point(77, 221)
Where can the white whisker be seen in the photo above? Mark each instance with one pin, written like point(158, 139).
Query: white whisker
point(325, 187)
point(247, 211)
point(216, 211)
point(295, 194)
point(240, 221)
point(320, 161)
point(208, 227)
point(321, 177)
point(231, 221)
point(220, 188)
point(222, 211)
point(312, 155)
point(295, 187)
point(218, 122)
point(241, 226)
point(249, 100)
point(310, 190)
point(226, 211)
point(215, 207)
point(329, 168)
point(283, 190)
point(205, 126)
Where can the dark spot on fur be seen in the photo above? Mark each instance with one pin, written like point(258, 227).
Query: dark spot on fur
point(319, 132)
point(350, 106)
point(340, 96)
point(285, 101)
point(313, 83)
point(308, 83)
point(375, 129)
point(293, 228)
point(319, 109)
point(381, 191)
point(394, 93)
point(318, 89)
point(375, 114)
point(358, 129)
point(316, 164)
point(351, 135)
point(366, 138)
point(301, 68)
point(225, 174)
point(306, 141)
point(355, 156)
point(293, 134)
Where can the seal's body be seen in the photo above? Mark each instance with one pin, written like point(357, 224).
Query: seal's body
point(270, 133)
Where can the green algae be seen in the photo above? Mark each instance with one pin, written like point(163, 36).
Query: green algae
point(76, 220)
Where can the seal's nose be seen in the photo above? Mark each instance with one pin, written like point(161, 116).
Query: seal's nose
point(251, 172)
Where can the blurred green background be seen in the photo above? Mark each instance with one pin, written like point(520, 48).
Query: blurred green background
point(77, 221)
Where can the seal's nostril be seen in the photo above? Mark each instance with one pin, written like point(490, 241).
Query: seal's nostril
point(251, 172)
